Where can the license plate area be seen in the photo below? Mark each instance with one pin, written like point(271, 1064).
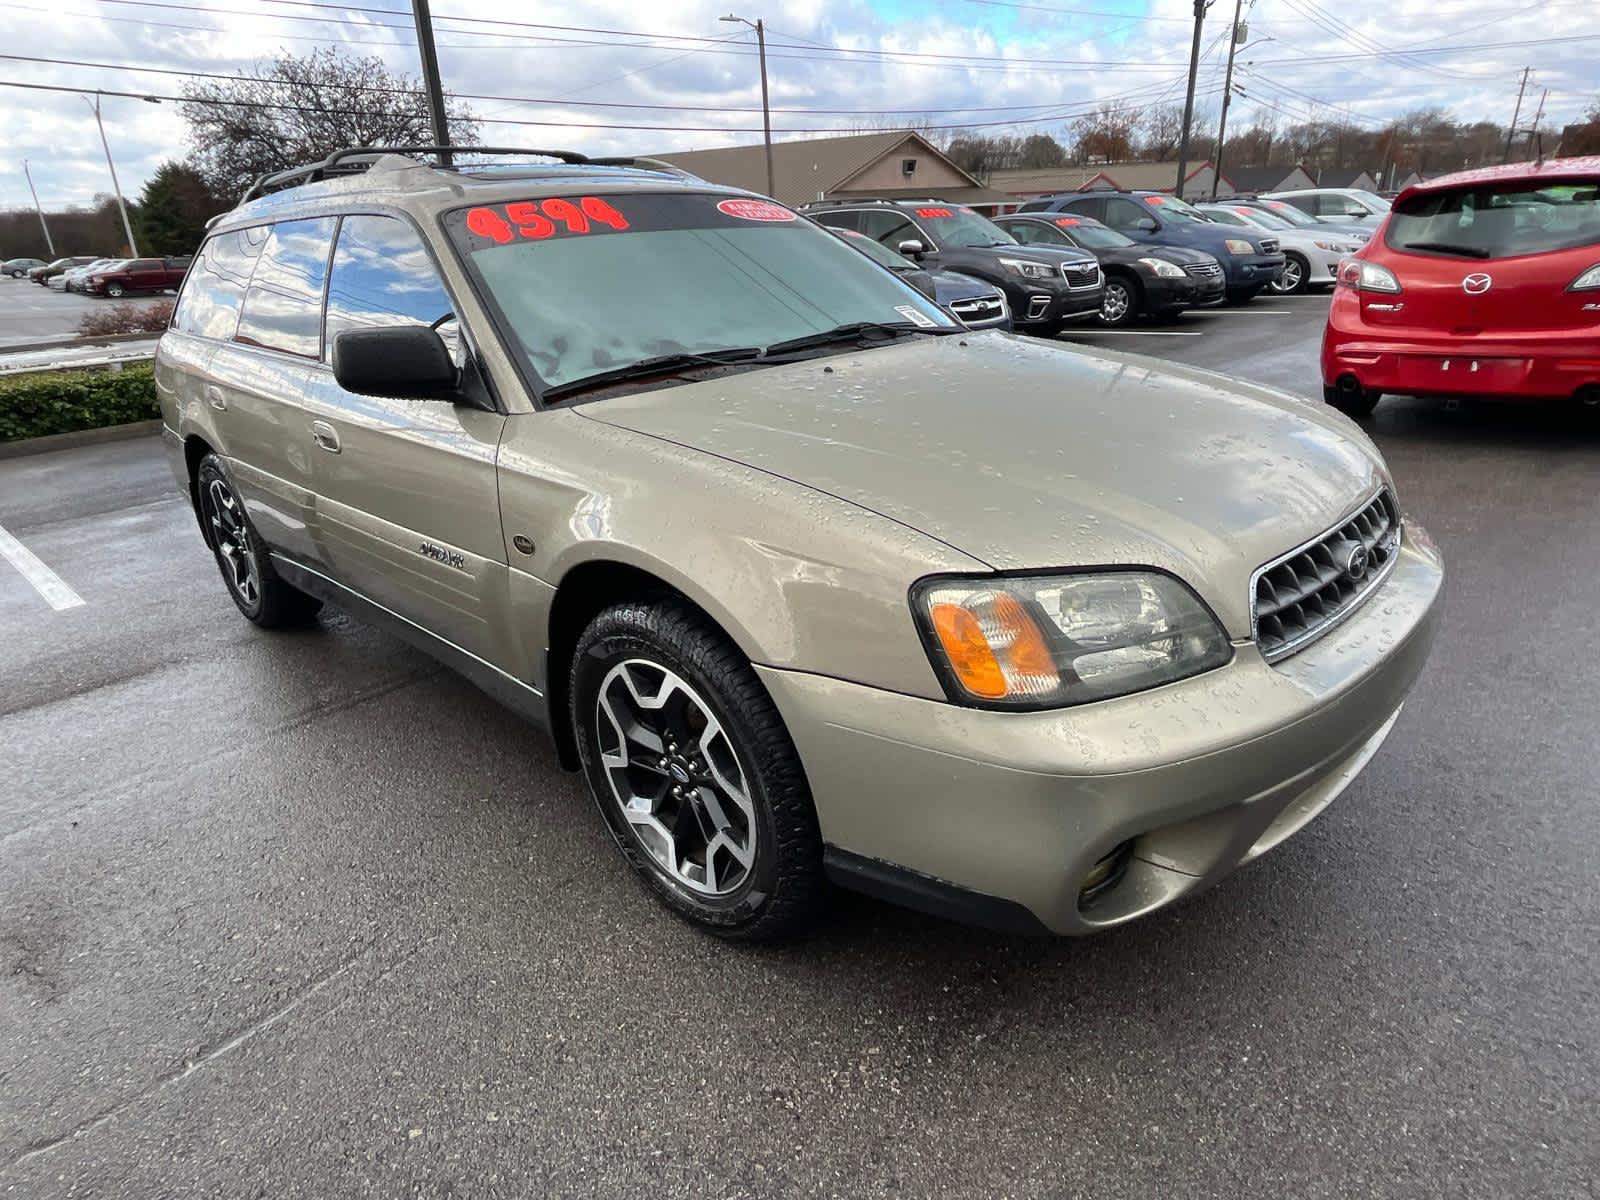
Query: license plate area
point(1461, 373)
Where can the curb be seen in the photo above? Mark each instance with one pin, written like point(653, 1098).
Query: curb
point(68, 343)
point(79, 437)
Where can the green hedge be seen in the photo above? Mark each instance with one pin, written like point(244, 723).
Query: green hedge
point(61, 401)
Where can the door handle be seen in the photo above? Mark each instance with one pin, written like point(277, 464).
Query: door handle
point(214, 398)
point(325, 436)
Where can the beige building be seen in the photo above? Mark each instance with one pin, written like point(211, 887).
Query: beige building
point(899, 164)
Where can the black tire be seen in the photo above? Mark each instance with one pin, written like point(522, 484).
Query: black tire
point(1297, 268)
point(1356, 404)
point(783, 890)
point(1237, 296)
point(266, 600)
point(116, 291)
point(1132, 305)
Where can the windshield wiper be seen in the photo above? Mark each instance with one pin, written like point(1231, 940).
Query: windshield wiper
point(1447, 248)
point(660, 364)
point(853, 332)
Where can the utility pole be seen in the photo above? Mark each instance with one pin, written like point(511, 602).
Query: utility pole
point(766, 110)
point(49, 244)
point(1188, 103)
point(1227, 95)
point(1533, 130)
point(1505, 155)
point(127, 226)
point(430, 77)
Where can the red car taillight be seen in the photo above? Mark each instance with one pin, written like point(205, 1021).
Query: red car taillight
point(1367, 276)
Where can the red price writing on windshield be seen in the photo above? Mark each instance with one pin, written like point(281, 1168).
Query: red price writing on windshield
point(929, 214)
point(536, 220)
point(1066, 222)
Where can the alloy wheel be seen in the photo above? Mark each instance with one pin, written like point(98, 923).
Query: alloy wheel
point(1114, 307)
point(1289, 280)
point(225, 519)
point(675, 777)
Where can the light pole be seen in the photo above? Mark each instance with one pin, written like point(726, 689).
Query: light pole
point(49, 245)
point(1200, 7)
point(766, 111)
point(127, 226)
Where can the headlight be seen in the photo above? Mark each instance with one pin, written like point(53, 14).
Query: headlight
point(1048, 641)
point(1163, 268)
point(1337, 247)
point(1239, 246)
point(1587, 282)
point(1367, 276)
point(1028, 270)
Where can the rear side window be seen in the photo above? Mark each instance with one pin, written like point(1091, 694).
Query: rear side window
point(840, 220)
point(215, 287)
point(382, 275)
point(283, 306)
point(890, 228)
point(1499, 221)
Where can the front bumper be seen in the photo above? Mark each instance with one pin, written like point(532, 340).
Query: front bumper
point(1032, 304)
point(1414, 362)
point(1246, 271)
point(1014, 809)
point(1164, 293)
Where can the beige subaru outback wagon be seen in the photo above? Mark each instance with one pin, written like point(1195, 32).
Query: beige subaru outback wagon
point(810, 582)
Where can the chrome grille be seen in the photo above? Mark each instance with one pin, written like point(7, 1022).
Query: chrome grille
point(979, 310)
point(1308, 591)
point(1269, 245)
point(1209, 270)
point(1080, 276)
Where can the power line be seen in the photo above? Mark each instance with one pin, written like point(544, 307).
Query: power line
point(554, 101)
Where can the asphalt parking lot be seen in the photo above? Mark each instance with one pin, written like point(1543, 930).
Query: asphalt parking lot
point(306, 915)
point(30, 313)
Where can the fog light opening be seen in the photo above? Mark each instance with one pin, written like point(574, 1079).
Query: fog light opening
point(1037, 306)
point(1106, 873)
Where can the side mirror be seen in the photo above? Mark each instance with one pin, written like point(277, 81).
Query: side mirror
point(1146, 224)
point(1356, 211)
point(408, 362)
point(912, 248)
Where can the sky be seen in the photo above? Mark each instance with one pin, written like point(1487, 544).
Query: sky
point(997, 66)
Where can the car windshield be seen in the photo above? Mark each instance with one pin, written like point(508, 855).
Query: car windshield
point(956, 226)
point(592, 284)
point(1176, 209)
point(1086, 231)
point(1499, 221)
point(1371, 199)
point(1263, 219)
point(1285, 211)
point(875, 250)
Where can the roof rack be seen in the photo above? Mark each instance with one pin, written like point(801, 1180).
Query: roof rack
point(353, 159)
point(840, 201)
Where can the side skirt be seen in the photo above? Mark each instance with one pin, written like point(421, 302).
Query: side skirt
point(527, 702)
point(912, 889)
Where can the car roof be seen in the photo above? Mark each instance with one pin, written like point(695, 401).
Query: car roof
point(1544, 171)
point(398, 179)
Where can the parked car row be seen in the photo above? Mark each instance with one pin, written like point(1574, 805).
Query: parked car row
point(111, 277)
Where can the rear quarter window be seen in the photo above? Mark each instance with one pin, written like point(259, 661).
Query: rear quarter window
point(214, 290)
point(283, 306)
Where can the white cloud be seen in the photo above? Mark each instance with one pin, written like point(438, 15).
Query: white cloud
point(56, 132)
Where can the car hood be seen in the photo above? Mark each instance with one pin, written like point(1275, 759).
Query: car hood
point(953, 285)
point(1024, 454)
point(1182, 256)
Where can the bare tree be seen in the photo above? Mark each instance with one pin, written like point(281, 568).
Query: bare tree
point(1161, 128)
point(1104, 135)
point(299, 108)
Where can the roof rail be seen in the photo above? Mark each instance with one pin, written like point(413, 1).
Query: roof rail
point(841, 201)
point(352, 159)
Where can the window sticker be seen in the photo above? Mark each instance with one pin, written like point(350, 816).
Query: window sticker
point(535, 220)
point(914, 316)
point(1155, 201)
point(756, 210)
point(1067, 222)
point(931, 214)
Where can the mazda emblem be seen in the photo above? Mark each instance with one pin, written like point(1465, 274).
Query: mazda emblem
point(1477, 283)
point(1356, 565)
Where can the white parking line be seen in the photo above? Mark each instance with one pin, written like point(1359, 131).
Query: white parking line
point(1131, 333)
point(1243, 312)
point(46, 582)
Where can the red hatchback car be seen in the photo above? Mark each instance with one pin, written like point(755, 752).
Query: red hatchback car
point(1482, 283)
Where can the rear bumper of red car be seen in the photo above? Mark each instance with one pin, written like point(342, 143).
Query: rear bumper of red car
point(1532, 365)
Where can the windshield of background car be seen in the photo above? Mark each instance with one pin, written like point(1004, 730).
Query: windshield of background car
point(957, 226)
point(592, 283)
point(1288, 212)
point(1263, 219)
point(875, 250)
point(1086, 231)
point(1499, 221)
point(1372, 200)
point(1178, 210)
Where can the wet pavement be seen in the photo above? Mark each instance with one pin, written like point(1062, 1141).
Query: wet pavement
point(306, 915)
